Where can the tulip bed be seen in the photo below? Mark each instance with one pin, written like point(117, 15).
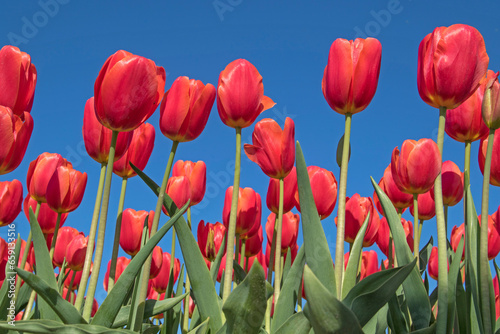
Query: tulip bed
point(50, 280)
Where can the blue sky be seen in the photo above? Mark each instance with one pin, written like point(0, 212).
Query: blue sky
point(70, 40)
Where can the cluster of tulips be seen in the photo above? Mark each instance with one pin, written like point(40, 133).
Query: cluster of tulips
point(279, 286)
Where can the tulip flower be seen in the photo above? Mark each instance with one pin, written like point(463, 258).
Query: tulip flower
point(457, 233)
point(261, 258)
point(131, 229)
point(451, 63)
point(496, 218)
point(426, 206)
point(97, 138)
point(493, 237)
point(248, 212)
point(415, 168)
point(160, 282)
point(253, 245)
point(453, 184)
point(4, 257)
point(495, 158)
point(179, 189)
point(47, 218)
point(65, 189)
point(138, 153)
point(17, 80)
point(368, 265)
point(324, 190)
point(76, 279)
point(11, 198)
point(290, 230)
point(293, 253)
point(491, 103)
point(75, 252)
point(399, 199)
point(121, 263)
point(289, 190)
point(432, 265)
point(14, 138)
point(357, 208)
point(351, 75)
point(196, 172)
point(127, 91)
point(65, 235)
point(273, 149)
point(240, 94)
point(185, 108)
point(210, 238)
point(497, 299)
point(40, 172)
point(383, 235)
point(156, 262)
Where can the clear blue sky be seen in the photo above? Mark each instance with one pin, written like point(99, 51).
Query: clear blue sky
point(288, 44)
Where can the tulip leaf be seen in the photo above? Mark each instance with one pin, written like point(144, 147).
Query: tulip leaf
point(452, 284)
point(415, 292)
point(245, 307)
point(150, 329)
point(351, 271)
point(378, 323)
point(395, 318)
point(214, 267)
point(461, 303)
point(45, 326)
point(288, 265)
point(340, 150)
point(10, 276)
point(239, 273)
point(318, 256)
point(201, 283)
point(297, 324)
point(425, 254)
point(106, 314)
point(200, 329)
point(284, 308)
point(176, 311)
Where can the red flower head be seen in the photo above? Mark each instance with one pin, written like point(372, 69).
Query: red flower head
point(383, 235)
point(491, 103)
point(456, 234)
point(210, 238)
point(248, 212)
point(47, 218)
point(356, 210)
point(179, 189)
point(14, 138)
point(289, 190)
point(121, 264)
point(75, 252)
point(40, 172)
point(399, 199)
point(196, 172)
point(156, 262)
point(495, 158)
point(11, 198)
point(426, 206)
point(289, 233)
point(160, 282)
point(131, 229)
point(65, 189)
point(493, 237)
point(452, 179)
point(369, 263)
point(65, 235)
point(253, 245)
point(432, 265)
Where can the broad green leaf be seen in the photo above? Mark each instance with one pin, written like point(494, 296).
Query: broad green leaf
point(284, 308)
point(395, 318)
point(351, 271)
point(287, 265)
point(325, 312)
point(45, 326)
point(424, 255)
point(368, 296)
point(318, 256)
point(10, 276)
point(150, 329)
point(452, 284)
point(378, 323)
point(23, 297)
point(200, 278)
point(201, 328)
point(107, 312)
point(429, 330)
point(415, 292)
point(297, 324)
point(176, 313)
point(245, 307)
point(461, 303)
point(239, 273)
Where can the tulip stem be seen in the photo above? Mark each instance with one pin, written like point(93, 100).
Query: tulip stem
point(390, 252)
point(72, 281)
point(445, 211)
point(228, 274)
point(87, 309)
point(90, 247)
point(185, 319)
point(339, 249)
point(237, 250)
point(484, 267)
point(441, 233)
point(54, 237)
point(277, 256)
point(270, 277)
point(116, 243)
point(416, 239)
point(243, 250)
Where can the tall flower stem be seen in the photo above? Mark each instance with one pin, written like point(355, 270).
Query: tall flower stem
point(277, 255)
point(116, 243)
point(243, 250)
point(441, 232)
point(483, 245)
point(339, 249)
point(185, 319)
point(87, 309)
point(416, 239)
point(90, 247)
point(228, 273)
point(54, 237)
point(270, 278)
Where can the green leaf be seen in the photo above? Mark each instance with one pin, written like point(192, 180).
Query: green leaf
point(10, 276)
point(318, 256)
point(284, 308)
point(429, 330)
point(177, 312)
point(245, 307)
point(374, 291)
point(201, 328)
point(325, 312)
point(461, 303)
point(107, 312)
point(239, 273)
point(425, 254)
point(297, 324)
point(150, 329)
point(214, 267)
point(287, 266)
point(23, 297)
point(378, 323)
point(395, 318)
point(415, 292)
point(45, 326)
point(199, 276)
point(351, 271)
point(452, 284)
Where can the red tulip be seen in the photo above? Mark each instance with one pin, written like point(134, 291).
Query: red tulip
point(496, 219)
point(240, 94)
point(289, 190)
point(210, 238)
point(196, 172)
point(368, 264)
point(452, 179)
point(75, 252)
point(76, 281)
point(495, 158)
point(399, 199)
point(289, 233)
point(273, 149)
point(17, 80)
point(127, 91)
point(324, 190)
point(253, 245)
point(65, 235)
point(415, 168)
point(456, 234)
point(185, 108)
point(493, 237)
point(356, 210)
point(491, 103)
point(47, 218)
point(14, 138)
point(160, 282)
point(65, 189)
point(131, 229)
point(248, 213)
point(138, 153)
point(451, 63)
point(376, 200)
point(383, 235)
point(351, 75)
point(40, 172)
point(261, 258)
point(121, 263)
point(156, 262)
point(426, 206)
point(11, 198)
point(4, 257)
point(179, 189)
point(293, 253)
point(497, 299)
point(432, 265)
point(97, 138)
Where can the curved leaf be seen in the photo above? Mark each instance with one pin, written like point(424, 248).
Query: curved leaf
point(452, 284)
point(10, 276)
point(297, 324)
point(55, 327)
point(201, 328)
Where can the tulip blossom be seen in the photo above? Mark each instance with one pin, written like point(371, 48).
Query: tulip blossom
point(368, 265)
point(97, 138)
point(11, 198)
point(415, 168)
point(127, 91)
point(17, 80)
point(121, 263)
point(240, 94)
point(457, 233)
point(40, 172)
point(65, 235)
point(497, 295)
point(76, 280)
point(451, 63)
point(65, 189)
point(452, 180)
point(210, 238)
point(261, 258)
point(495, 158)
point(493, 237)
point(131, 229)
point(383, 235)
point(496, 218)
point(196, 172)
point(426, 206)
point(289, 190)
point(357, 208)
point(253, 245)
point(138, 153)
point(14, 138)
point(293, 253)
point(160, 282)
point(156, 262)
point(491, 103)
point(399, 199)
point(4, 257)
point(47, 218)
point(432, 265)
point(248, 213)
point(289, 233)
point(75, 252)
point(185, 108)
point(179, 190)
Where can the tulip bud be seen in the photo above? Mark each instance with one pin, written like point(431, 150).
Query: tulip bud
point(383, 235)
point(248, 212)
point(121, 263)
point(368, 264)
point(131, 229)
point(160, 282)
point(491, 102)
point(65, 235)
point(493, 238)
point(452, 180)
point(210, 238)
point(14, 138)
point(457, 233)
point(65, 189)
point(495, 158)
point(289, 190)
point(47, 218)
point(433, 265)
point(11, 197)
point(289, 233)
point(40, 172)
point(76, 251)
point(357, 208)
point(426, 206)
point(179, 190)
point(156, 262)
point(197, 175)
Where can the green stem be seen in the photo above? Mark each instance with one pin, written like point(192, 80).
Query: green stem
point(228, 273)
point(416, 240)
point(390, 252)
point(441, 233)
point(87, 309)
point(54, 237)
point(71, 285)
point(445, 212)
point(243, 250)
point(270, 277)
point(116, 243)
point(483, 245)
point(185, 319)
point(90, 247)
point(277, 255)
point(339, 250)
point(237, 249)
